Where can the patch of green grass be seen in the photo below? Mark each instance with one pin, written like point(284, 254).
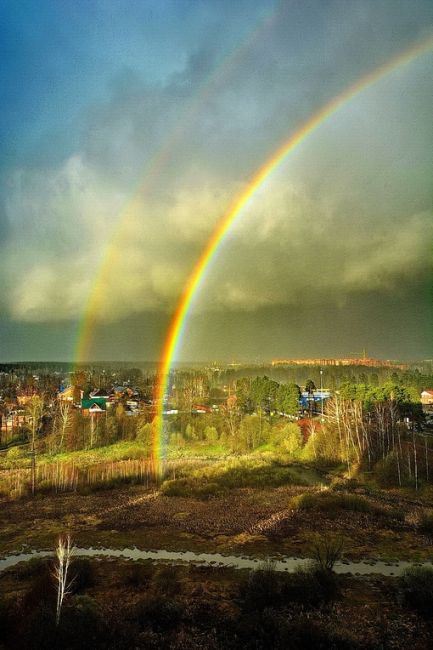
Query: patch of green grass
point(237, 473)
point(119, 451)
point(326, 501)
point(197, 450)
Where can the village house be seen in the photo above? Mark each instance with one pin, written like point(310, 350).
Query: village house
point(427, 397)
point(100, 393)
point(15, 420)
point(94, 406)
point(71, 394)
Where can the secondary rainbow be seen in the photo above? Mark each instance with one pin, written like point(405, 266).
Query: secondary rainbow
point(179, 318)
point(110, 253)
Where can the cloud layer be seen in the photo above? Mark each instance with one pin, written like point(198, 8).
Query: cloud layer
point(129, 198)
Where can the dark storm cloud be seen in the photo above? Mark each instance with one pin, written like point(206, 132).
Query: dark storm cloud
point(346, 221)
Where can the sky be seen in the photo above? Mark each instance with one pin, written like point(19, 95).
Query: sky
point(130, 126)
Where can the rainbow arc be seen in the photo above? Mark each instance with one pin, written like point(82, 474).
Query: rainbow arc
point(236, 210)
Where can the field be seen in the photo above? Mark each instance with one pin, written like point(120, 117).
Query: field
point(249, 504)
point(258, 505)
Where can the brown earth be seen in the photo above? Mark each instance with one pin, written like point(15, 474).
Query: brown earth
point(250, 521)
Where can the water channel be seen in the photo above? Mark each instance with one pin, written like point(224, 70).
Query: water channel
point(281, 563)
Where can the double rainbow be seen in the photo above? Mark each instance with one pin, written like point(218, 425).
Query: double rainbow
point(179, 319)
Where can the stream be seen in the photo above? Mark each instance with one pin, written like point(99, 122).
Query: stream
point(362, 568)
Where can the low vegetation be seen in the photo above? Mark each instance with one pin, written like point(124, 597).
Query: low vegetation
point(417, 589)
point(237, 473)
point(207, 607)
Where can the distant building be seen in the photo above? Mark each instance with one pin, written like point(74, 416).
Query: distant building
point(201, 408)
point(427, 397)
point(24, 398)
point(317, 396)
point(93, 406)
point(16, 419)
point(99, 393)
point(70, 394)
point(345, 361)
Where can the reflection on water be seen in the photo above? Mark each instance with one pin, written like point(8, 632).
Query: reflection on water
point(289, 564)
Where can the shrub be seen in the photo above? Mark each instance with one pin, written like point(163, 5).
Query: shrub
point(15, 453)
point(166, 581)
point(326, 550)
point(326, 501)
point(181, 487)
point(386, 472)
point(263, 588)
point(160, 614)
point(34, 567)
point(353, 502)
point(41, 590)
point(82, 573)
point(292, 438)
point(310, 586)
point(139, 574)
point(305, 501)
point(38, 627)
point(328, 583)
point(81, 624)
point(417, 587)
point(211, 435)
point(208, 490)
point(6, 622)
point(44, 487)
point(426, 521)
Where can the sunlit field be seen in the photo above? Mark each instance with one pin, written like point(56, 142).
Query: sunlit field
point(270, 516)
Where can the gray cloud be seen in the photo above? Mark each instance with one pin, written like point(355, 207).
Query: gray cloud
point(348, 215)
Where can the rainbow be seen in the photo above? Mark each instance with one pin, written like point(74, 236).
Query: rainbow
point(192, 286)
point(157, 163)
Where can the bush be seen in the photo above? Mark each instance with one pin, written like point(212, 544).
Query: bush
point(266, 588)
point(386, 472)
point(41, 590)
point(326, 551)
point(83, 574)
point(160, 614)
point(167, 582)
point(326, 501)
point(44, 487)
point(426, 521)
point(15, 453)
point(417, 586)
point(6, 622)
point(293, 629)
point(181, 487)
point(139, 574)
point(36, 566)
point(328, 583)
point(81, 624)
point(305, 501)
point(263, 588)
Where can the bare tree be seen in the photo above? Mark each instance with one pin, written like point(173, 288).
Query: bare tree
point(35, 408)
point(64, 412)
point(327, 550)
point(63, 554)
